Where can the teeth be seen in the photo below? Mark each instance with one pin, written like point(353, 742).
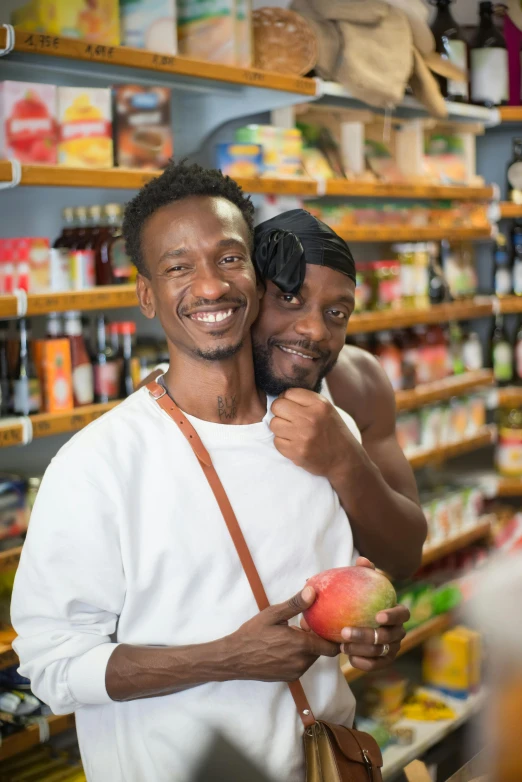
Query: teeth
point(212, 317)
point(296, 353)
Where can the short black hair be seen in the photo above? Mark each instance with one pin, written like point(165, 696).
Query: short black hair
point(179, 181)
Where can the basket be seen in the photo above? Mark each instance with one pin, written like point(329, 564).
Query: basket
point(284, 42)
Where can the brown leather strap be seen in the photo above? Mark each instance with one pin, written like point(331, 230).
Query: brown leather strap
point(193, 439)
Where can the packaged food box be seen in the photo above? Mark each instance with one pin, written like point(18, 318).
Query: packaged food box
point(141, 126)
point(85, 118)
point(240, 160)
point(96, 22)
point(53, 362)
point(149, 24)
point(32, 264)
point(282, 148)
point(244, 35)
point(450, 662)
point(28, 122)
point(207, 30)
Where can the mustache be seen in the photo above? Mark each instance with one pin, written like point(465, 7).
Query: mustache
point(186, 309)
point(304, 344)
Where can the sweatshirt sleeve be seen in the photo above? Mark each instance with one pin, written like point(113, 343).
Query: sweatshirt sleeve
point(69, 590)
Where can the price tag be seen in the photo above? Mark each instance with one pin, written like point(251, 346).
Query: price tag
point(11, 435)
point(98, 51)
point(163, 60)
point(42, 42)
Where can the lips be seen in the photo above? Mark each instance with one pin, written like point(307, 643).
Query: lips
point(216, 316)
point(299, 353)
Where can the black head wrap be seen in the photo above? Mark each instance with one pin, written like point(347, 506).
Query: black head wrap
point(286, 243)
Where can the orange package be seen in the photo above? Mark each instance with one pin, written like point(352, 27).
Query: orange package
point(53, 362)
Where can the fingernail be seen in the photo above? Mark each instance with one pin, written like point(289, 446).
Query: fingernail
point(307, 594)
point(382, 618)
point(342, 649)
point(346, 633)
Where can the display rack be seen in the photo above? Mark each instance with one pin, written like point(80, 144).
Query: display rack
point(101, 297)
point(480, 307)
point(509, 210)
point(407, 233)
point(504, 487)
point(12, 430)
point(441, 390)
point(414, 638)
point(443, 453)
point(31, 736)
point(436, 551)
point(510, 305)
point(510, 113)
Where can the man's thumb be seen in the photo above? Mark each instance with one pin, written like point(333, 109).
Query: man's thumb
point(296, 605)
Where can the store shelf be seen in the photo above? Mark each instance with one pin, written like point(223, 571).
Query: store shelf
point(8, 656)
point(126, 57)
point(407, 233)
point(9, 559)
point(510, 113)
point(478, 532)
point(480, 307)
point(100, 298)
point(510, 210)
point(510, 396)
point(30, 737)
point(48, 424)
point(443, 389)
point(445, 452)
point(504, 487)
point(413, 639)
point(427, 734)
point(510, 305)
point(354, 189)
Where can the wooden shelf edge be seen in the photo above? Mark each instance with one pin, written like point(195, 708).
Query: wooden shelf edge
point(480, 307)
point(30, 737)
point(77, 49)
point(442, 389)
point(510, 113)
point(8, 656)
point(478, 532)
point(507, 487)
point(511, 395)
point(510, 305)
point(510, 210)
point(10, 558)
point(406, 233)
point(355, 189)
point(452, 450)
point(413, 638)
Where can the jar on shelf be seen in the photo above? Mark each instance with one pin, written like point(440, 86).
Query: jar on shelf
point(406, 259)
point(509, 445)
point(386, 284)
point(421, 262)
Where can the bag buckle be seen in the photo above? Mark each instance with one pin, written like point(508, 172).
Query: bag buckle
point(368, 764)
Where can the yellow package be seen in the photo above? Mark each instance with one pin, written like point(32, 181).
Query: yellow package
point(207, 30)
point(475, 641)
point(244, 34)
point(85, 118)
point(426, 708)
point(96, 22)
point(448, 663)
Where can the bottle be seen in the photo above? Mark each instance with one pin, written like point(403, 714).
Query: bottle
point(54, 328)
point(390, 359)
point(501, 353)
point(113, 265)
point(59, 254)
point(489, 61)
point(516, 250)
point(81, 256)
point(509, 446)
point(472, 353)
point(5, 380)
point(437, 287)
point(26, 385)
point(457, 364)
point(409, 351)
point(82, 373)
point(502, 268)
point(127, 330)
point(106, 366)
point(450, 44)
point(514, 173)
point(518, 350)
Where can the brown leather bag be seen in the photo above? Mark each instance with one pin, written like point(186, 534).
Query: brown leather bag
point(333, 753)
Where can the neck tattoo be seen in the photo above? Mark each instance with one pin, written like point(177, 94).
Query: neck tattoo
point(227, 407)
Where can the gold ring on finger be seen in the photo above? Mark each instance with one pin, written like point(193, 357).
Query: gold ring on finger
point(385, 650)
point(375, 637)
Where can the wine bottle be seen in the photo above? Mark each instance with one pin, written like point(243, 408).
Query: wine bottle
point(450, 44)
point(489, 61)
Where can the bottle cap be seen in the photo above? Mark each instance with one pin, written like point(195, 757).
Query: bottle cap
point(126, 327)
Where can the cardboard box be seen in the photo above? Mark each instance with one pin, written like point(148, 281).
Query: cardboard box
point(149, 24)
point(207, 31)
point(452, 662)
point(96, 22)
point(85, 118)
point(28, 122)
point(142, 126)
point(53, 362)
point(240, 160)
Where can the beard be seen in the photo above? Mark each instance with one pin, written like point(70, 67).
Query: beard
point(218, 354)
point(275, 385)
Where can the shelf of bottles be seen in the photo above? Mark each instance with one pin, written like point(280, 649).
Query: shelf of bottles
point(406, 233)
point(443, 453)
point(441, 390)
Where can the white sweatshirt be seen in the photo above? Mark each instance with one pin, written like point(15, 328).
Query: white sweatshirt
point(127, 544)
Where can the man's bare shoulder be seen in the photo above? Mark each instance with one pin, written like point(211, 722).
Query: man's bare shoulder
point(359, 385)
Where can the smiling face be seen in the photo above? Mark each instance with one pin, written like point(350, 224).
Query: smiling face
point(201, 285)
point(297, 339)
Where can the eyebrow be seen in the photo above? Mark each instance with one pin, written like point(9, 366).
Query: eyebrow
point(180, 252)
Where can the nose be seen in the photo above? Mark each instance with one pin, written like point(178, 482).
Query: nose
point(311, 326)
point(208, 283)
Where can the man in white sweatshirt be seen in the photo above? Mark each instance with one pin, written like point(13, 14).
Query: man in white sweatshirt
point(130, 603)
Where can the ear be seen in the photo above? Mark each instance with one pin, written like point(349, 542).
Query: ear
point(261, 290)
point(145, 297)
